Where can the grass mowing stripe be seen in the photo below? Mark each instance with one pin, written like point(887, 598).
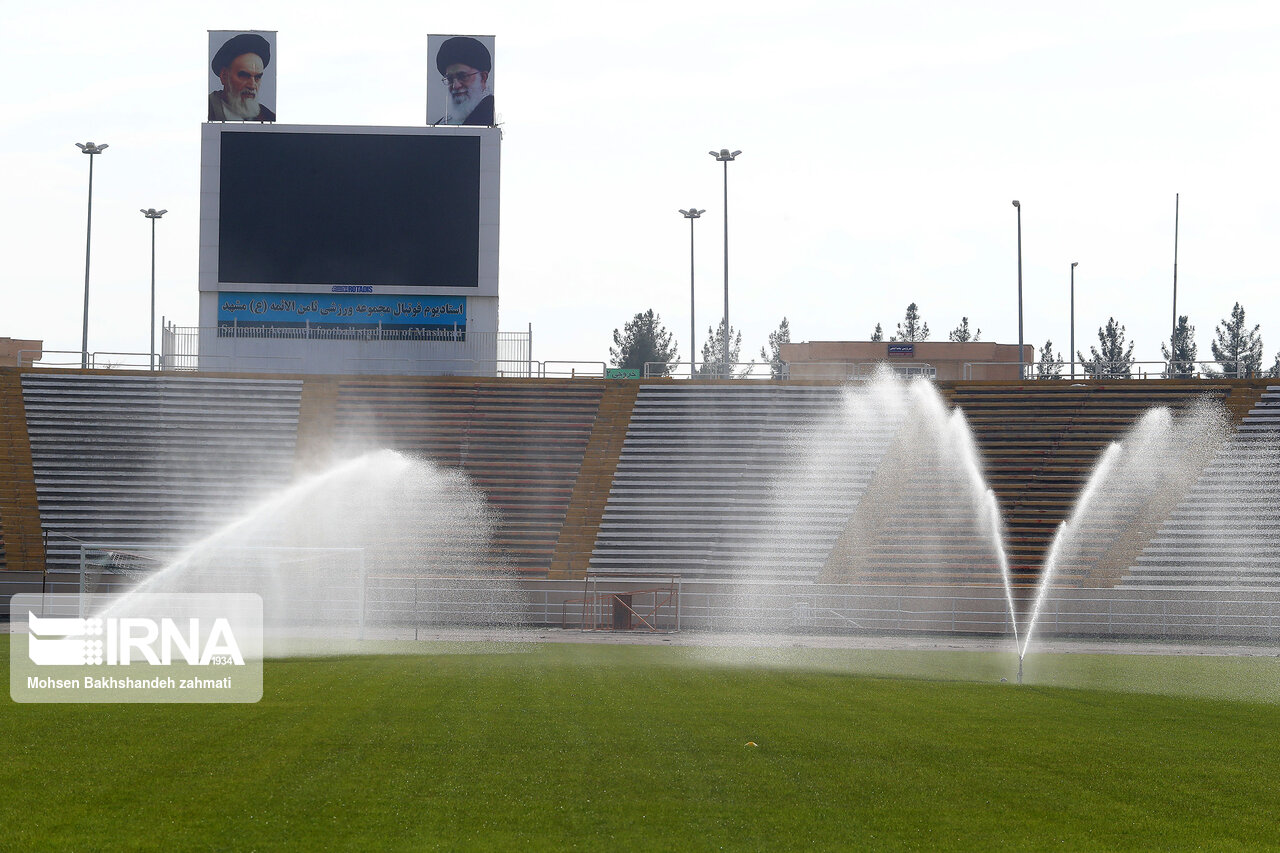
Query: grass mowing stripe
point(644, 746)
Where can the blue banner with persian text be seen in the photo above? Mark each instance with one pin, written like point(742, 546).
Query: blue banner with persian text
point(389, 316)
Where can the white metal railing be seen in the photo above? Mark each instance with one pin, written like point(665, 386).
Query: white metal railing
point(96, 360)
point(453, 351)
point(1115, 370)
point(72, 360)
point(570, 369)
point(180, 352)
point(479, 354)
point(845, 371)
point(705, 370)
point(502, 368)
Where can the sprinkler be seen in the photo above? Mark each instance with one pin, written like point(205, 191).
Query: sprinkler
point(1019, 669)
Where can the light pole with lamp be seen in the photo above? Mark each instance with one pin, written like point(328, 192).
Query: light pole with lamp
point(1022, 373)
point(153, 214)
point(1173, 336)
point(724, 155)
point(90, 149)
point(1074, 264)
point(691, 214)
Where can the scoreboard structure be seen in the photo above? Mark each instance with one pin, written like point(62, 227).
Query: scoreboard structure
point(339, 249)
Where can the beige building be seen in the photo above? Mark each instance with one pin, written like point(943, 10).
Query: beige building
point(937, 359)
point(11, 348)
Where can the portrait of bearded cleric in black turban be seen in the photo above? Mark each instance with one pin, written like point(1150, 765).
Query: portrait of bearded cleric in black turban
point(240, 63)
point(463, 92)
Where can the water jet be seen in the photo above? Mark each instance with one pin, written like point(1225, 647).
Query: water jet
point(380, 538)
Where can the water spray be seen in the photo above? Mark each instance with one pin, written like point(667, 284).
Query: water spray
point(1065, 530)
point(970, 456)
point(342, 517)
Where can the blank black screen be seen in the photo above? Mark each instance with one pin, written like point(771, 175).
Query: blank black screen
point(318, 208)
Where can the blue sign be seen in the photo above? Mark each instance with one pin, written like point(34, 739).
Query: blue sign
point(902, 350)
point(391, 317)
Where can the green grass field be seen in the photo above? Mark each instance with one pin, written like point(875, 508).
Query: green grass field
point(641, 747)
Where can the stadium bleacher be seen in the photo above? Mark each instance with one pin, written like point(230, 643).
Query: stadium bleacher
point(701, 483)
point(138, 461)
point(706, 480)
point(521, 443)
point(1040, 441)
point(1225, 534)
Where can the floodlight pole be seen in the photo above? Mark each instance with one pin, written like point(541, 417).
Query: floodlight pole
point(1173, 336)
point(1022, 373)
point(724, 155)
point(691, 214)
point(90, 149)
point(153, 214)
point(1074, 264)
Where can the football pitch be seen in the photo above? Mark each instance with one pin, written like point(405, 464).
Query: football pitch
point(514, 746)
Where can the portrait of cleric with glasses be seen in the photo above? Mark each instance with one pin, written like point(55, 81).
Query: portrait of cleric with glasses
point(466, 69)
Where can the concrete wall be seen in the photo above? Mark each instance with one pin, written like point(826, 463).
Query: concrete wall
point(17, 352)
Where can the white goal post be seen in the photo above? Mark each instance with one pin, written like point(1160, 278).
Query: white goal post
point(300, 586)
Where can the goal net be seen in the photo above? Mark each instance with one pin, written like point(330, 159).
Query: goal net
point(300, 587)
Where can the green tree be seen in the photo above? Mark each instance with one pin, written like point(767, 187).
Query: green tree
point(1110, 359)
point(1236, 348)
point(1181, 362)
point(720, 354)
point(878, 334)
point(961, 334)
point(643, 339)
point(912, 328)
point(1050, 366)
point(773, 355)
point(1274, 371)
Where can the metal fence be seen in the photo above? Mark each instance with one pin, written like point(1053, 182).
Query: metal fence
point(98, 360)
point(1171, 614)
point(468, 353)
point(978, 370)
point(180, 351)
point(835, 370)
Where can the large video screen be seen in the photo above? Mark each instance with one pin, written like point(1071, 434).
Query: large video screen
point(349, 209)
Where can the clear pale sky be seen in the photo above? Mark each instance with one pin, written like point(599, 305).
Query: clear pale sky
point(882, 144)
